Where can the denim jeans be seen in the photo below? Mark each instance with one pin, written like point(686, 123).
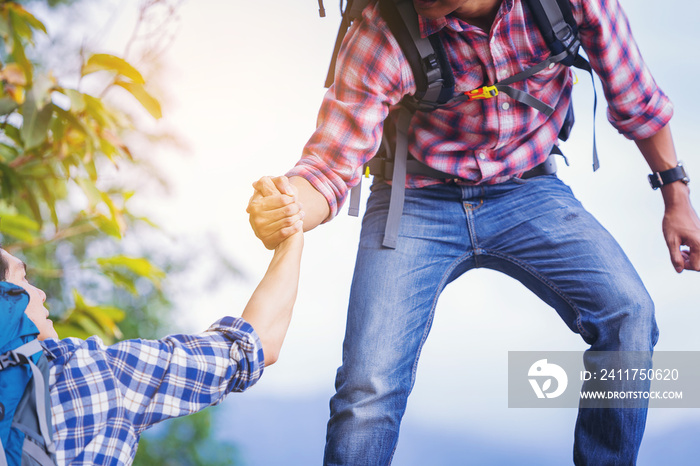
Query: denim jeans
point(533, 230)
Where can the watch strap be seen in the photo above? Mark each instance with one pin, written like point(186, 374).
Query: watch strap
point(678, 173)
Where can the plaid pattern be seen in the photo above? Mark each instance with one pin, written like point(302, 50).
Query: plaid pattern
point(103, 397)
point(487, 141)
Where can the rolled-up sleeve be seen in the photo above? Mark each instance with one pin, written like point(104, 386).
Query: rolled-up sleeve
point(637, 107)
point(371, 76)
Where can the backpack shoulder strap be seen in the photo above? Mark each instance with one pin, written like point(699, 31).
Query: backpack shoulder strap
point(40, 399)
point(426, 56)
point(434, 87)
point(555, 20)
point(353, 10)
point(556, 23)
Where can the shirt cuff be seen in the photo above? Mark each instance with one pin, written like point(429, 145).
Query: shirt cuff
point(246, 351)
point(648, 121)
point(328, 190)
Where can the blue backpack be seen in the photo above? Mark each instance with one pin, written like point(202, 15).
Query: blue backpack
point(25, 406)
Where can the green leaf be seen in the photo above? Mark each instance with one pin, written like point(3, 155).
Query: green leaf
point(12, 132)
point(104, 317)
point(27, 17)
point(77, 99)
point(35, 126)
point(70, 329)
point(122, 280)
point(30, 196)
point(50, 200)
point(10, 181)
point(88, 324)
point(107, 62)
point(20, 58)
point(91, 192)
point(7, 105)
point(7, 152)
point(107, 226)
point(137, 265)
point(5, 26)
point(96, 109)
point(41, 89)
point(19, 26)
point(18, 226)
point(147, 100)
point(108, 149)
point(95, 320)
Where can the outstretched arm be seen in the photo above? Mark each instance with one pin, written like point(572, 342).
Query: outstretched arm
point(681, 225)
point(269, 310)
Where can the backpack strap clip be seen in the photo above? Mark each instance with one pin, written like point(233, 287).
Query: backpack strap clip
point(9, 359)
point(482, 93)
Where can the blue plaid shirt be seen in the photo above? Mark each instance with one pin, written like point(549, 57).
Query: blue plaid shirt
point(103, 397)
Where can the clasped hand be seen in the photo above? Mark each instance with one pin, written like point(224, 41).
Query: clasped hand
point(275, 212)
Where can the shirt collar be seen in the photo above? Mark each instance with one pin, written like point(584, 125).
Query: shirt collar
point(431, 26)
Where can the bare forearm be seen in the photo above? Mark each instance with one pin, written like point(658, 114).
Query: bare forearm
point(658, 150)
point(660, 154)
point(313, 203)
point(269, 309)
point(681, 225)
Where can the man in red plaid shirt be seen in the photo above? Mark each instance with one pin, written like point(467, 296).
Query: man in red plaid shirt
point(487, 214)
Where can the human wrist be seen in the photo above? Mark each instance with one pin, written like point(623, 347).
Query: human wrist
point(292, 243)
point(675, 194)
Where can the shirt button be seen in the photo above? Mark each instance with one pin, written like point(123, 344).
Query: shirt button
point(551, 65)
point(482, 155)
point(503, 74)
point(505, 106)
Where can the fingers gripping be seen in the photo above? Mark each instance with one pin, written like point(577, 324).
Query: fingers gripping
point(274, 211)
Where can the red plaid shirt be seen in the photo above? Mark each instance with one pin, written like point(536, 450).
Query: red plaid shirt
point(487, 141)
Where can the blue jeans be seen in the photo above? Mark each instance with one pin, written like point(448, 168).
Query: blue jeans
point(533, 230)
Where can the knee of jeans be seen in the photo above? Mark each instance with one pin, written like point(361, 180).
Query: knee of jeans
point(364, 386)
point(630, 324)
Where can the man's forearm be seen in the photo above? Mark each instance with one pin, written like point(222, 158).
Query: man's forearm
point(681, 225)
point(269, 309)
point(313, 203)
point(660, 154)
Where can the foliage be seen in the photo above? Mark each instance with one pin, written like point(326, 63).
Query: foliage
point(62, 147)
point(64, 205)
point(65, 163)
point(174, 446)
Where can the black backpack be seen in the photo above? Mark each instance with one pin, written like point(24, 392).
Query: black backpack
point(435, 86)
point(25, 406)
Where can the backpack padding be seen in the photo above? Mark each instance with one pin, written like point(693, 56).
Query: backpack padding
point(409, 47)
point(448, 78)
point(551, 14)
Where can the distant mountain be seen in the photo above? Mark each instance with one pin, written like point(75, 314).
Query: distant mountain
point(271, 431)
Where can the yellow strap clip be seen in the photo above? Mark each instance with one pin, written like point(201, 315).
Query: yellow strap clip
point(482, 93)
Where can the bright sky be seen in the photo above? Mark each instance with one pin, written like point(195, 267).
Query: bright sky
point(245, 80)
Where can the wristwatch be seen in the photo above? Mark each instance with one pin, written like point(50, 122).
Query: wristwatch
point(658, 179)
